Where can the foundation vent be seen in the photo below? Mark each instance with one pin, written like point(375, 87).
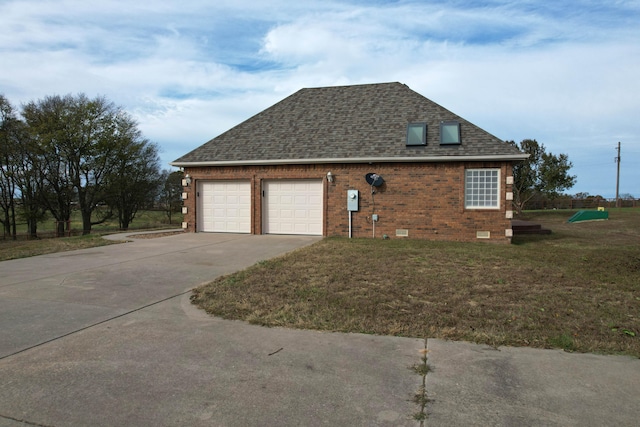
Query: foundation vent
point(483, 234)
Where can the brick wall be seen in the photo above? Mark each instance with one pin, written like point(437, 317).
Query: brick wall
point(425, 199)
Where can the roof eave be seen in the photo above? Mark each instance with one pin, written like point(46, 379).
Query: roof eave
point(432, 159)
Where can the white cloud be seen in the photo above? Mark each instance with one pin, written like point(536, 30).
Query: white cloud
point(563, 73)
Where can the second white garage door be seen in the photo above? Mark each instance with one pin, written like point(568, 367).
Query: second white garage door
point(224, 206)
point(293, 207)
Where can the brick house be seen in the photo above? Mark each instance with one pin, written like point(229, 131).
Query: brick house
point(373, 160)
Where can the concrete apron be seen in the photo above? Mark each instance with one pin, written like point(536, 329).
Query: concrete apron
point(478, 385)
point(107, 336)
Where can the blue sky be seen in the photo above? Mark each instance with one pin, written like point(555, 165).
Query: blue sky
point(562, 72)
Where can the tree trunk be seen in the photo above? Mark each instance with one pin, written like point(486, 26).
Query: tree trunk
point(14, 232)
point(60, 228)
point(6, 226)
point(124, 218)
point(86, 222)
point(32, 228)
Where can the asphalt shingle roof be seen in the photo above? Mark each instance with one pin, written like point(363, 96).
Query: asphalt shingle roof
point(346, 123)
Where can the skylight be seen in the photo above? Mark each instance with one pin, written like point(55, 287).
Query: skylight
point(449, 133)
point(417, 134)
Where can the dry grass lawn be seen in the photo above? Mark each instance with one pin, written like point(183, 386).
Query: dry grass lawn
point(577, 289)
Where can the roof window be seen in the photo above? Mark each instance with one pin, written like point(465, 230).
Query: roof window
point(417, 134)
point(449, 133)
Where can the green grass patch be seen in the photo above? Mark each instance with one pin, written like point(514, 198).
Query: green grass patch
point(47, 242)
point(145, 219)
point(26, 248)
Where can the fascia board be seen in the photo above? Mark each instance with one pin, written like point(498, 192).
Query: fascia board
point(434, 159)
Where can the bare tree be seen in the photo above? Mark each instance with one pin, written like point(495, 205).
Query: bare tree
point(171, 190)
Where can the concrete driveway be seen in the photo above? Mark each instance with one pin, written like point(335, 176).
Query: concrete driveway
point(107, 336)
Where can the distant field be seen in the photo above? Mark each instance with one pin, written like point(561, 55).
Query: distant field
point(48, 243)
point(144, 220)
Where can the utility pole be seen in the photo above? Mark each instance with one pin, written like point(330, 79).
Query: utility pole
point(618, 178)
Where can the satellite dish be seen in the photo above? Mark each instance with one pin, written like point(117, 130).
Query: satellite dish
point(374, 180)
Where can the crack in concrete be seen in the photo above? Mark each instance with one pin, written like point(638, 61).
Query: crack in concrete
point(6, 417)
point(421, 398)
point(93, 325)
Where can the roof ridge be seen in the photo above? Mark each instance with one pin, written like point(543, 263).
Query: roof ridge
point(355, 85)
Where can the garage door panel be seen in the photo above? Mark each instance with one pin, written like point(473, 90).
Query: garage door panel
point(225, 206)
point(315, 214)
point(293, 207)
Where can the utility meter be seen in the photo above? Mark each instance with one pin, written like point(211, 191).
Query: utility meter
point(352, 200)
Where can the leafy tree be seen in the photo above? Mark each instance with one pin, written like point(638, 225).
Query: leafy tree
point(19, 178)
point(542, 173)
point(8, 152)
point(135, 180)
point(171, 191)
point(28, 180)
point(80, 144)
point(47, 122)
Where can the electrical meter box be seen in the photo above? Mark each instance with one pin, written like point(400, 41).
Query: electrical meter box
point(352, 200)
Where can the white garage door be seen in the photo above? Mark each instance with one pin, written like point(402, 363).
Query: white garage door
point(224, 206)
point(293, 207)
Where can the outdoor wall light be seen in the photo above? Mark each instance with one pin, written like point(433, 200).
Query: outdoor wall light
point(186, 181)
point(329, 176)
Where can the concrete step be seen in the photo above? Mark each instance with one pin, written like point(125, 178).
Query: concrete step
point(520, 227)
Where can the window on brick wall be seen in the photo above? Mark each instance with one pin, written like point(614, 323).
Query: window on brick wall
point(482, 189)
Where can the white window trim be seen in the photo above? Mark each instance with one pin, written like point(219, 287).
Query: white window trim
point(499, 190)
